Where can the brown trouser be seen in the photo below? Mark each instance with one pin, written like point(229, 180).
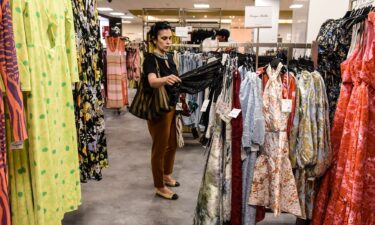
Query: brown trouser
point(164, 145)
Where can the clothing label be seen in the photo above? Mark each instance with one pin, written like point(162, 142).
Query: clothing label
point(179, 106)
point(286, 105)
point(212, 59)
point(16, 145)
point(234, 113)
point(102, 86)
point(311, 179)
point(205, 105)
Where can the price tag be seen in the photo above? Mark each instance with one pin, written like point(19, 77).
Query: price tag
point(234, 113)
point(286, 105)
point(179, 106)
point(205, 105)
point(16, 145)
point(254, 148)
point(211, 59)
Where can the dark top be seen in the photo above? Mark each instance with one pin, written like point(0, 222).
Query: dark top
point(149, 66)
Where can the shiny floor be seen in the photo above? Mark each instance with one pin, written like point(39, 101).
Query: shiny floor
point(125, 196)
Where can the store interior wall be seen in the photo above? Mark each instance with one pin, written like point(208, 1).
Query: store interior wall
point(133, 31)
point(322, 10)
point(285, 32)
point(300, 20)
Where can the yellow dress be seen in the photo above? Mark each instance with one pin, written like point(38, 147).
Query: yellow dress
point(44, 176)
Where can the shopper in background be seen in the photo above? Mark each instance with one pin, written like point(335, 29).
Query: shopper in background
point(223, 36)
point(162, 129)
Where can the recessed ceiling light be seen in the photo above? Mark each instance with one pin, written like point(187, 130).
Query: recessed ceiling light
point(117, 14)
point(126, 21)
point(202, 6)
point(205, 16)
point(295, 6)
point(285, 21)
point(127, 17)
point(232, 17)
point(226, 21)
point(104, 9)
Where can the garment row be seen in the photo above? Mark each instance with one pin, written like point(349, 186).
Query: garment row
point(271, 153)
point(347, 192)
point(59, 93)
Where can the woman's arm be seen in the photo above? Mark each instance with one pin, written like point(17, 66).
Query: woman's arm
point(159, 82)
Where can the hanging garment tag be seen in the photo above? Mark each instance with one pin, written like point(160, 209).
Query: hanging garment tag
point(205, 105)
point(224, 60)
point(286, 105)
point(213, 59)
point(254, 148)
point(16, 145)
point(179, 106)
point(234, 113)
point(102, 86)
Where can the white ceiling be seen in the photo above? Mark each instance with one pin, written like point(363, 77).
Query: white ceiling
point(124, 5)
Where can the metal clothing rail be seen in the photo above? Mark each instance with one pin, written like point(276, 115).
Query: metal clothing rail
point(289, 46)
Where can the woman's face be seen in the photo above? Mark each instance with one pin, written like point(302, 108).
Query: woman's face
point(163, 40)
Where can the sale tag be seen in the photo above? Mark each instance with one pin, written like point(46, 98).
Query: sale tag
point(16, 145)
point(205, 105)
point(234, 113)
point(179, 106)
point(286, 105)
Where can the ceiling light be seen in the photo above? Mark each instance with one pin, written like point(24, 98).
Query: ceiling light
point(295, 6)
point(117, 14)
point(205, 16)
point(232, 17)
point(104, 9)
point(126, 21)
point(202, 6)
point(127, 17)
point(285, 21)
point(226, 21)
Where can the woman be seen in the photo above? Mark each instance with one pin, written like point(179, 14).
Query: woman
point(163, 129)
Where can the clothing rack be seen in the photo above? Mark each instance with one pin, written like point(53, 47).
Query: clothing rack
point(289, 46)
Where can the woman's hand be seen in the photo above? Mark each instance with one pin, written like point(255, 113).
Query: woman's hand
point(172, 79)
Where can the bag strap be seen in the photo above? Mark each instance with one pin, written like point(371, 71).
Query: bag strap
point(158, 75)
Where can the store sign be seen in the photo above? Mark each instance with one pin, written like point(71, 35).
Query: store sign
point(182, 31)
point(188, 38)
point(258, 16)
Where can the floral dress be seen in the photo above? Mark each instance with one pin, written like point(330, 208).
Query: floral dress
point(88, 97)
point(274, 185)
point(352, 200)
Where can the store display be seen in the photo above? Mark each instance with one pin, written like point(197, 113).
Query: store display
point(88, 97)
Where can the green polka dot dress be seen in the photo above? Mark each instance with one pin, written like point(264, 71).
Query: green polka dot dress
point(45, 174)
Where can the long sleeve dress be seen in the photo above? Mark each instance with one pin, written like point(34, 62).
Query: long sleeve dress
point(45, 180)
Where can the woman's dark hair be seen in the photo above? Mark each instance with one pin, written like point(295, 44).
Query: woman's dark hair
point(158, 26)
